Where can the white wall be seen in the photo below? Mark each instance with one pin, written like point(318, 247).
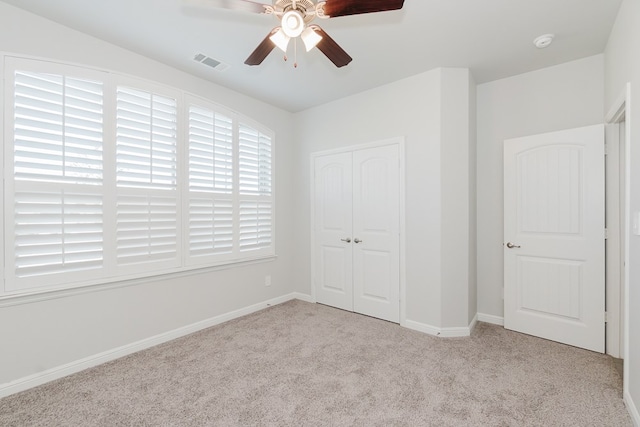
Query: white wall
point(430, 110)
point(36, 336)
point(409, 108)
point(622, 65)
point(427, 109)
point(473, 200)
point(456, 193)
point(561, 97)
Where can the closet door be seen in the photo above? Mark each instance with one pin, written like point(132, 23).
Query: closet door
point(333, 248)
point(356, 250)
point(376, 226)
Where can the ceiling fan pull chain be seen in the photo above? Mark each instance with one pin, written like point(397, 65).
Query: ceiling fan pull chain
point(295, 53)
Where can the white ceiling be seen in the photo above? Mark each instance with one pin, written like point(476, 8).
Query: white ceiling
point(494, 38)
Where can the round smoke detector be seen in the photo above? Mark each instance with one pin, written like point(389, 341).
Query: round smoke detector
point(543, 41)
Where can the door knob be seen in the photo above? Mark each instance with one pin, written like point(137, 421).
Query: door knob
point(348, 240)
point(512, 246)
point(357, 240)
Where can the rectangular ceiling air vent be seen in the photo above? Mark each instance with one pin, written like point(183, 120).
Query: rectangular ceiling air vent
point(213, 63)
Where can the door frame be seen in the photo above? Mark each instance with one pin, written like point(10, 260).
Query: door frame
point(618, 290)
point(400, 142)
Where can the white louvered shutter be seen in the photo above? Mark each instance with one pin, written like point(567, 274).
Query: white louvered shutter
point(210, 186)
point(54, 227)
point(146, 140)
point(97, 189)
point(255, 195)
point(146, 228)
point(146, 179)
point(57, 231)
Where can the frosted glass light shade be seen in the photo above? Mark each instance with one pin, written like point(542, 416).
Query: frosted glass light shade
point(281, 40)
point(310, 38)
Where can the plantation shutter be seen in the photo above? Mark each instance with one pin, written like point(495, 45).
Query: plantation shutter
point(146, 178)
point(210, 151)
point(256, 204)
point(146, 140)
point(146, 228)
point(57, 129)
point(210, 185)
point(55, 214)
point(109, 178)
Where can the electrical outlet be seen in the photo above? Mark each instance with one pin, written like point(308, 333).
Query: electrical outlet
point(267, 280)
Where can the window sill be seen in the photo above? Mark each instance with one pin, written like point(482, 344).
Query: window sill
point(49, 294)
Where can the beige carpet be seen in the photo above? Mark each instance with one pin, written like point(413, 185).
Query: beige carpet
point(301, 364)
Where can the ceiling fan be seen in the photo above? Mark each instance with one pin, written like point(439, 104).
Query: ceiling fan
point(295, 18)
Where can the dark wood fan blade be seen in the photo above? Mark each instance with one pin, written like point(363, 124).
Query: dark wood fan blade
point(331, 49)
point(240, 5)
point(262, 51)
point(335, 8)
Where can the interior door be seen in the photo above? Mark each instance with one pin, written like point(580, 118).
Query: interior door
point(554, 236)
point(356, 250)
point(333, 249)
point(376, 224)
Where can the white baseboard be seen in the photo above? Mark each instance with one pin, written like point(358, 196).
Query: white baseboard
point(473, 323)
point(39, 378)
point(455, 332)
point(463, 331)
point(632, 408)
point(422, 327)
point(302, 297)
point(490, 318)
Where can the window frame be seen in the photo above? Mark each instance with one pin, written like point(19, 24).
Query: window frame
point(112, 274)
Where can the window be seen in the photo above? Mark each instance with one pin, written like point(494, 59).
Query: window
point(229, 207)
point(255, 189)
point(146, 178)
point(210, 185)
point(110, 179)
point(54, 202)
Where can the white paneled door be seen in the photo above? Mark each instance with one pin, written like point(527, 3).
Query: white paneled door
point(554, 277)
point(333, 249)
point(376, 258)
point(356, 223)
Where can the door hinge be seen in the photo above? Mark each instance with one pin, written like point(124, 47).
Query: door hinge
point(606, 149)
point(606, 317)
point(606, 233)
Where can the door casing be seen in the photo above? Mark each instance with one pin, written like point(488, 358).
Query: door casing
point(617, 228)
point(618, 116)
